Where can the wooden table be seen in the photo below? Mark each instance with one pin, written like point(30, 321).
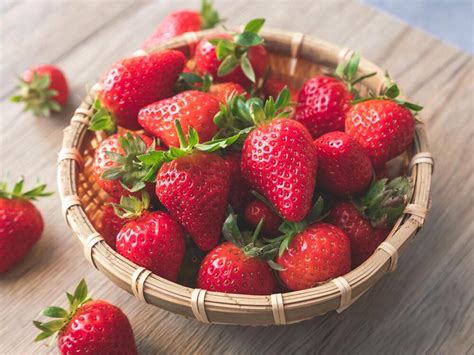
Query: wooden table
point(424, 307)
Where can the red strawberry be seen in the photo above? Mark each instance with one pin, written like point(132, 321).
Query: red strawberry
point(240, 59)
point(343, 167)
point(133, 83)
point(239, 193)
point(256, 210)
point(272, 87)
point(43, 89)
point(182, 21)
point(225, 90)
point(153, 240)
point(368, 224)
point(317, 254)
point(190, 108)
point(110, 223)
point(92, 327)
point(323, 103)
point(227, 269)
point(195, 189)
point(279, 160)
point(382, 127)
point(21, 224)
point(115, 162)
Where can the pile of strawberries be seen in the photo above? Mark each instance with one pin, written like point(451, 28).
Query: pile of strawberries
point(218, 180)
point(221, 177)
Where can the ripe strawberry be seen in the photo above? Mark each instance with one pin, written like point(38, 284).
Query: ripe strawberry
point(110, 224)
point(182, 21)
point(272, 87)
point(227, 269)
point(343, 167)
point(384, 126)
point(190, 108)
point(279, 160)
point(153, 240)
point(240, 59)
point(316, 254)
point(133, 83)
point(367, 221)
point(21, 224)
point(90, 326)
point(239, 193)
point(223, 91)
point(43, 89)
point(115, 162)
point(256, 210)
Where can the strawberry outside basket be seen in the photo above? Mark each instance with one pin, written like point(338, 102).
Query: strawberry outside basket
point(294, 58)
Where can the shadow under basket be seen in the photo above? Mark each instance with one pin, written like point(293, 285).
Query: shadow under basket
point(294, 58)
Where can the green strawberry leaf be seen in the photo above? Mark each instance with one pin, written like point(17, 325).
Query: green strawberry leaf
point(55, 312)
point(248, 39)
point(255, 25)
point(228, 65)
point(247, 68)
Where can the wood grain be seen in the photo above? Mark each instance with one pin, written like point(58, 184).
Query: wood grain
point(426, 306)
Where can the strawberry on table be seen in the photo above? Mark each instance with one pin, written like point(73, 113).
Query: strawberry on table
point(131, 84)
point(367, 220)
point(21, 224)
point(241, 59)
point(384, 126)
point(116, 168)
point(90, 326)
point(179, 22)
point(42, 89)
point(191, 108)
point(258, 210)
point(314, 254)
point(153, 240)
point(343, 167)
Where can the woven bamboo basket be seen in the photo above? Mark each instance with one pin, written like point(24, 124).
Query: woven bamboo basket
point(294, 58)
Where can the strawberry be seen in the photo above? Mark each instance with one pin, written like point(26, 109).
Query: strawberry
point(182, 21)
point(153, 240)
point(315, 254)
point(224, 91)
point(384, 126)
point(279, 160)
point(258, 210)
point(239, 193)
point(115, 162)
point(324, 101)
point(21, 224)
point(240, 59)
point(90, 326)
point(343, 167)
point(367, 221)
point(43, 89)
point(272, 87)
point(191, 108)
point(133, 83)
point(110, 224)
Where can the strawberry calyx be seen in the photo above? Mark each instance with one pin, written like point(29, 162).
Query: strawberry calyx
point(103, 119)
point(131, 207)
point(193, 81)
point(385, 201)
point(251, 244)
point(347, 73)
point(61, 316)
point(37, 95)
point(391, 92)
point(209, 16)
point(234, 53)
point(18, 193)
point(128, 168)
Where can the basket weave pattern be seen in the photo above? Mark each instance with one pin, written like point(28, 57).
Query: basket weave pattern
point(294, 58)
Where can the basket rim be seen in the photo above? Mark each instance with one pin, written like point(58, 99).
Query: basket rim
point(218, 307)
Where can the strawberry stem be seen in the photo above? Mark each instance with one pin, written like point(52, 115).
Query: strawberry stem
point(17, 191)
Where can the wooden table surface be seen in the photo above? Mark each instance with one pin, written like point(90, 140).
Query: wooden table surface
point(426, 306)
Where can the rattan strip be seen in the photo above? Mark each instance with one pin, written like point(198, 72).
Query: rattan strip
point(71, 154)
point(421, 158)
point(345, 55)
point(295, 47)
point(89, 245)
point(138, 279)
point(278, 308)
point(345, 291)
point(68, 202)
point(198, 297)
point(392, 253)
